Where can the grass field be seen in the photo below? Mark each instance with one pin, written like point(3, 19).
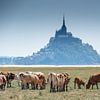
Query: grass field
point(15, 93)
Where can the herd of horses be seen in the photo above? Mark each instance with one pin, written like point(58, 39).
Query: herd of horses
point(57, 82)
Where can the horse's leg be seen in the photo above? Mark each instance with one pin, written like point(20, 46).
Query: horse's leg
point(7, 84)
point(33, 86)
point(4, 86)
point(22, 86)
point(74, 85)
point(57, 88)
point(78, 86)
point(92, 86)
point(19, 83)
point(97, 85)
point(37, 86)
point(50, 89)
point(27, 85)
point(60, 89)
point(66, 87)
point(44, 85)
point(1, 86)
point(84, 85)
point(53, 89)
point(10, 84)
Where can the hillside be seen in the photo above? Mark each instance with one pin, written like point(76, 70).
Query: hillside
point(63, 49)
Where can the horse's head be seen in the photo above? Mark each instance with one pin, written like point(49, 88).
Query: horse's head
point(88, 84)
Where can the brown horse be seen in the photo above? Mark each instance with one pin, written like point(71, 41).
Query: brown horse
point(2, 82)
point(32, 79)
point(9, 77)
point(67, 80)
point(93, 80)
point(79, 82)
point(42, 79)
point(58, 81)
point(61, 81)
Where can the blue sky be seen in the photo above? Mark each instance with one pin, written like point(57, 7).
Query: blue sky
point(27, 25)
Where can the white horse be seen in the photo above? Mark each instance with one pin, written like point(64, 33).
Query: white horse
point(52, 81)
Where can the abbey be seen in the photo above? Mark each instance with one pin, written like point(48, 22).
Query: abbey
point(62, 49)
point(62, 35)
point(63, 31)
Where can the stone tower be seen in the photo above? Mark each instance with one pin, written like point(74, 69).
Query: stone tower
point(63, 31)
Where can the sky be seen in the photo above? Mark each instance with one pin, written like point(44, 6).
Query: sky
point(27, 25)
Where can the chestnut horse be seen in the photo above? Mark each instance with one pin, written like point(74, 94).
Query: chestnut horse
point(93, 80)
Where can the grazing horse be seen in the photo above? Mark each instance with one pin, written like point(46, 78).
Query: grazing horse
point(42, 80)
point(52, 81)
point(17, 78)
point(63, 80)
point(79, 82)
point(24, 80)
point(67, 80)
point(93, 80)
point(9, 77)
point(2, 82)
point(27, 79)
point(58, 82)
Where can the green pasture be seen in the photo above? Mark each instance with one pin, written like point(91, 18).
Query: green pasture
point(15, 93)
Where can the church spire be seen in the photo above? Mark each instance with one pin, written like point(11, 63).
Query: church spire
point(64, 29)
point(63, 20)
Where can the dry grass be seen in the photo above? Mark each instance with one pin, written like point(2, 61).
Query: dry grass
point(15, 93)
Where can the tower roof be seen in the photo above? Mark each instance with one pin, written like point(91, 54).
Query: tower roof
point(63, 20)
point(64, 29)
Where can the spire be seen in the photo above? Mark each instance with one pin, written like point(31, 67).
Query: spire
point(63, 31)
point(64, 28)
point(63, 20)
